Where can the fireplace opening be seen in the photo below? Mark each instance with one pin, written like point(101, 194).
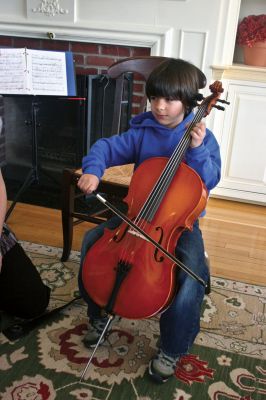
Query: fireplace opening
point(45, 134)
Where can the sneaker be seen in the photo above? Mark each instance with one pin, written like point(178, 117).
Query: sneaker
point(162, 367)
point(94, 332)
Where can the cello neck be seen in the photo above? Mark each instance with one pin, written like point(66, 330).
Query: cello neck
point(154, 200)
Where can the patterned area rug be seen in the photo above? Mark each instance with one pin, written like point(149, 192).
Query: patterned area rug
point(227, 360)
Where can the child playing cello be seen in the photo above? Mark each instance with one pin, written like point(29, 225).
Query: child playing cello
point(171, 89)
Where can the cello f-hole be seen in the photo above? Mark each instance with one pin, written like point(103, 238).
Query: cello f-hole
point(117, 238)
point(156, 252)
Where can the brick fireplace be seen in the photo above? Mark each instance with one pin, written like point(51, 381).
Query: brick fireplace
point(90, 59)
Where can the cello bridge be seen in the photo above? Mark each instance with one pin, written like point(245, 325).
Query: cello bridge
point(136, 233)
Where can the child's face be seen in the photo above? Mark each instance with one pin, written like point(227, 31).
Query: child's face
point(166, 111)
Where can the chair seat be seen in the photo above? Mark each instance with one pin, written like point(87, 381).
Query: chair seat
point(120, 174)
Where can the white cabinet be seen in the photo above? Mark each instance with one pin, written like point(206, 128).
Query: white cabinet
point(242, 139)
point(241, 129)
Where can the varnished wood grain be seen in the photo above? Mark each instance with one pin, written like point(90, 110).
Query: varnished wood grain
point(234, 234)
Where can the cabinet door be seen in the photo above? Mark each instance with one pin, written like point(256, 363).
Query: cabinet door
point(243, 144)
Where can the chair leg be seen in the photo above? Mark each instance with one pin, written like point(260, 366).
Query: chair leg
point(68, 195)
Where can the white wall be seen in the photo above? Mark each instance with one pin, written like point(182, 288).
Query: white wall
point(191, 29)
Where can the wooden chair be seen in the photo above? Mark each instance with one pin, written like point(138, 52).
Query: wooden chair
point(116, 180)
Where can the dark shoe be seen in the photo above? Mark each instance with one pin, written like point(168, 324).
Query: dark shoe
point(208, 287)
point(162, 367)
point(95, 330)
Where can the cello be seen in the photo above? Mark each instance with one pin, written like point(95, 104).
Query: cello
point(131, 271)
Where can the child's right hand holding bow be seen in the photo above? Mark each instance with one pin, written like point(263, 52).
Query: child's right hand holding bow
point(88, 183)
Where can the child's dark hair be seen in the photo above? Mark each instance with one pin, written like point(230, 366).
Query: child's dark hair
point(176, 79)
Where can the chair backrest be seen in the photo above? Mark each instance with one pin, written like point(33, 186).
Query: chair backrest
point(140, 65)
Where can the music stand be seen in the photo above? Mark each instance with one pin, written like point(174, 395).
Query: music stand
point(34, 77)
point(33, 175)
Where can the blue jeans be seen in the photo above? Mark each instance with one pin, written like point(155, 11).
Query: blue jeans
point(180, 322)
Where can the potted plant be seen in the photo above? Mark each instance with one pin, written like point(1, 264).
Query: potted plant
point(251, 35)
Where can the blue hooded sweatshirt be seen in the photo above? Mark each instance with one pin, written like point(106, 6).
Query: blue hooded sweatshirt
point(147, 138)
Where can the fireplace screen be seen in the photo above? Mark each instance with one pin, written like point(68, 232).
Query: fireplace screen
point(45, 134)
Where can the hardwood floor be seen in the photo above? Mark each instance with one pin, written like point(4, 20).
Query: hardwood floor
point(234, 234)
point(235, 239)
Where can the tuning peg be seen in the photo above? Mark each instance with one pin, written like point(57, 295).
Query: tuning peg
point(219, 107)
point(223, 101)
point(198, 97)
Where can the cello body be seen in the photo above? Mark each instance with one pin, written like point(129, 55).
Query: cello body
point(149, 283)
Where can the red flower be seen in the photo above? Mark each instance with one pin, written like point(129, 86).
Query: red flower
point(251, 29)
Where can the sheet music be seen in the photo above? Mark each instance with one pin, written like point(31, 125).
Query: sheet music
point(13, 76)
point(48, 75)
point(37, 72)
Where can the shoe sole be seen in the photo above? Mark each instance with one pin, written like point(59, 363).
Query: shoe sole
point(157, 377)
point(93, 345)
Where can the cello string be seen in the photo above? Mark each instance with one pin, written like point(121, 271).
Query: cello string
point(154, 199)
point(165, 178)
point(159, 186)
point(169, 169)
point(163, 183)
